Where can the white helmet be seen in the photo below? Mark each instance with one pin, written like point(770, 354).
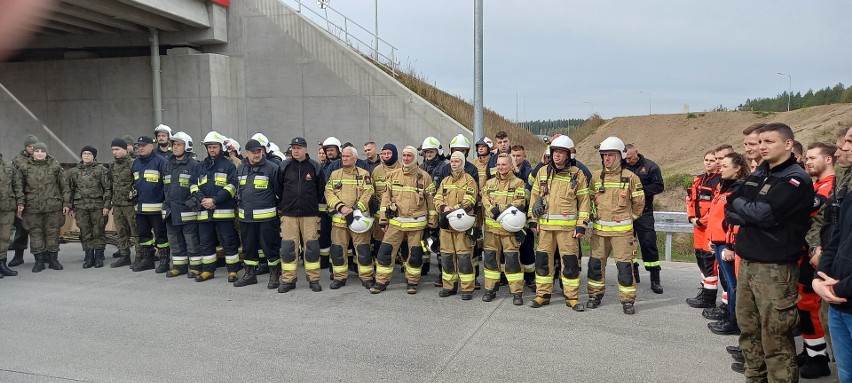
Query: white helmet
point(185, 138)
point(460, 142)
point(431, 143)
point(232, 144)
point(262, 139)
point(215, 138)
point(512, 219)
point(460, 220)
point(163, 128)
point(332, 141)
point(360, 222)
point(612, 144)
point(273, 148)
point(561, 142)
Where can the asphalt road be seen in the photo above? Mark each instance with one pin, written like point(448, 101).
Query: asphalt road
point(113, 325)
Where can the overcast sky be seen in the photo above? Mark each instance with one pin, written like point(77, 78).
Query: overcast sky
point(555, 57)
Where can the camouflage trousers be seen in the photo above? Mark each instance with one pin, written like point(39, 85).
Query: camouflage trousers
point(92, 224)
point(44, 231)
point(766, 311)
point(7, 220)
point(124, 220)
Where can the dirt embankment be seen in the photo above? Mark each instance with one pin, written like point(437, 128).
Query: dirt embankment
point(677, 142)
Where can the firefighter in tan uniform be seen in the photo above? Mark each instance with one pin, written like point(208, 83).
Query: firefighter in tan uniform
point(559, 212)
point(406, 209)
point(390, 162)
point(456, 201)
point(619, 199)
point(348, 192)
point(502, 196)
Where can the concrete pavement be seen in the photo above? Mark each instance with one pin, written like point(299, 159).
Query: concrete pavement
point(113, 325)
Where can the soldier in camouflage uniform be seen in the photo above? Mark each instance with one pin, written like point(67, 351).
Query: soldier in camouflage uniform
point(123, 214)
point(46, 202)
point(19, 243)
point(11, 198)
point(91, 199)
point(773, 211)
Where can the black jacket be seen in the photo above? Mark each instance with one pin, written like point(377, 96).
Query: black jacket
point(773, 210)
point(180, 182)
point(836, 259)
point(652, 180)
point(259, 191)
point(303, 187)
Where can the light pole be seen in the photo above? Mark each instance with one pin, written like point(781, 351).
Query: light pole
point(649, 99)
point(591, 106)
point(789, 88)
point(376, 30)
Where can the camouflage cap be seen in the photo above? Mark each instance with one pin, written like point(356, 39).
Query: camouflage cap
point(129, 139)
point(30, 139)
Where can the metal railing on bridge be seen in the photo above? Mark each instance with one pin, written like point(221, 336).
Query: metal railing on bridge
point(349, 32)
point(670, 222)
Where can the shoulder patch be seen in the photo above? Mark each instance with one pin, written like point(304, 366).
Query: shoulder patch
point(794, 182)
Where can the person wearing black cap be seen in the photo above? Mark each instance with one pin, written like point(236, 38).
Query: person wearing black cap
point(148, 173)
point(303, 184)
point(47, 201)
point(123, 201)
point(91, 199)
point(258, 193)
point(390, 162)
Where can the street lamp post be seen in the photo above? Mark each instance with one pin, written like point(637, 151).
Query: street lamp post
point(649, 99)
point(376, 30)
point(789, 88)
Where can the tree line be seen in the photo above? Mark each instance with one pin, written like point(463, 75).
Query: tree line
point(828, 95)
point(551, 127)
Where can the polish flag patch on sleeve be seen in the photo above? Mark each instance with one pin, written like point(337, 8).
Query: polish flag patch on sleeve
point(794, 182)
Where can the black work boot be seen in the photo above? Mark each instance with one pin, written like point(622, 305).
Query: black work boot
point(656, 287)
point(149, 257)
point(540, 301)
point(727, 326)
point(286, 286)
point(39, 262)
point(262, 268)
point(337, 283)
point(446, 293)
point(636, 271)
point(593, 303)
point(88, 258)
point(518, 299)
point(18, 258)
point(99, 258)
point(738, 367)
point(815, 367)
point(628, 308)
point(137, 259)
point(315, 286)
point(248, 278)
point(163, 256)
point(53, 261)
point(5, 270)
point(489, 295)
point(117, 254)
point(274, 277)
point(124, 260)
point(233, 276)
point(706, 298)
point(716, 313)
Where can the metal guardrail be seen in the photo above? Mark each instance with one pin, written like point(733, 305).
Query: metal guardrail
point(350, 33)
point(671, 222)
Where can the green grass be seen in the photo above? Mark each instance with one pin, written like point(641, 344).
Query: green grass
point(678, 179)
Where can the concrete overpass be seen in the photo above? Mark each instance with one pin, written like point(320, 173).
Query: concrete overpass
point(238, 67)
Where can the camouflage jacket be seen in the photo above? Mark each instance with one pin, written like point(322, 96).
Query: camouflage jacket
point(11, 190)
point(45, 186)
point(22, 159)
point(90, 188)
point(121, 177)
